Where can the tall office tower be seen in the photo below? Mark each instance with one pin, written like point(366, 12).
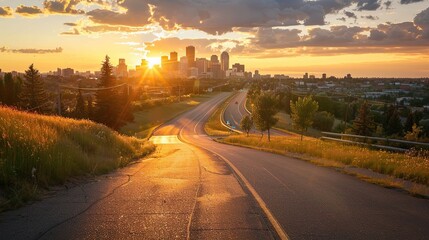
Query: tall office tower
point(214, 59)
point(224, 61)
point(202, 64)
point(190, 55)
point(174, 61)
point(122, 69)
point(164, 63)
point(183, 66)
point(173, 57)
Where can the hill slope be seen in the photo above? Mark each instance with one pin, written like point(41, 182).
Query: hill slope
point(37, 151)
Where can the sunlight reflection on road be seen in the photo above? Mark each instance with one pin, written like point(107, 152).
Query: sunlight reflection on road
point(168, 139)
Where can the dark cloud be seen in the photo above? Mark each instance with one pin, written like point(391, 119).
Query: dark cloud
point(32, 50)
point(28, 11)
point(370, 17)
point(71, 24)
point(410, 1)
point(387, 4)
point(5, 11)
point(63, 6)
point(368, 5)
point(350, 14)
point(422, 21)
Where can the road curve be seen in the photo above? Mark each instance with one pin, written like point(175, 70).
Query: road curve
point(312, 202)
point(236, 110)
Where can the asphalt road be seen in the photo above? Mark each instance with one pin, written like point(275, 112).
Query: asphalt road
point(312, 202)
point(186, 191)
point(236, 110)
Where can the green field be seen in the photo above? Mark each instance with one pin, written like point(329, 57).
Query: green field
point(213, 126)
point(39, 151)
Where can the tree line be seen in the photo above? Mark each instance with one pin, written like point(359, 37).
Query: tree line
point(110, 105)
point(357, 116)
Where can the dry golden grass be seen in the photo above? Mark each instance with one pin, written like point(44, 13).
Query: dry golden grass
point(406, 166)
point(38, 151)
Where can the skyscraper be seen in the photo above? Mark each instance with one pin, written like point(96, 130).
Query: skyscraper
point(190, 55)
point(122, 69)
point(164, 63)
point(224, 61)
point(173, 57)
point(174, 61)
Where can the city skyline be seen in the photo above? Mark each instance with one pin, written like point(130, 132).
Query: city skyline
point(361, 37)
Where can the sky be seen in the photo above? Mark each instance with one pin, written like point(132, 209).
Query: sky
point(367, 38)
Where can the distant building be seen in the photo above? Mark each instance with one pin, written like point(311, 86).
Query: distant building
point(193, 72)
point(324, 76)
point(122, 69)
point(67, 72)
point(174, 62)
point(348, 76)
point(224, 61)
point(216, 70)
point(183, 66)
point(239, 67)
point(202, 64)
point(142, 68)
point(305, 76)
point(165, 63)
point(190, 55)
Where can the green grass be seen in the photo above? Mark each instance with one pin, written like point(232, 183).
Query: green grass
point(213, 126)
point(146, 121)
point(56, 148)
point(410, 166)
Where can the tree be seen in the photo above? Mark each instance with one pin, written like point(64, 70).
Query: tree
point(11, 90)
point(302, 113)
point(33, 95)
point(246, 124)
point(364, 124)
point(394, 126)
point(264, 112)
point(323, 121)
point(107, 99)
point(408, 127)
point(2, 91)
point(414, 134)
point(90, 108)
point(79, 111)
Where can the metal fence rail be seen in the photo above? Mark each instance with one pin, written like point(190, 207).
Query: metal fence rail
point(329, 136)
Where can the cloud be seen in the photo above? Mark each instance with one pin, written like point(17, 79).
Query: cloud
point(32, 50)
point(350, 14)
point(63, 6)
point(370, 17)
point(410, 1)
point(368, 5)
point(28, 11)
point(5, 11)
point(422, 21)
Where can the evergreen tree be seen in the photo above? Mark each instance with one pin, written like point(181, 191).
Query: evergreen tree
point(79, 111)
point(264, 112)
point(394, 125)
point(408, 127)
point(90, 108)
point(9, 88)
point(2, 91)
point(302, 113)
point(107, 99)
point(364, 124)
point(33, 96)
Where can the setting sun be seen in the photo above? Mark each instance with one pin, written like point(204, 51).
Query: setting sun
point(153, 61)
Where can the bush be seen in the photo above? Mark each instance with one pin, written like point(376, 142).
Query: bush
point(323, 121)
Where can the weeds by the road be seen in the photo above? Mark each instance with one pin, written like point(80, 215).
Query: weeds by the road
point(37, 151)
point(213, 126)
point(409, 166)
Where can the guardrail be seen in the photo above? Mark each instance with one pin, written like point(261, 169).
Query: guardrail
point(366, 138)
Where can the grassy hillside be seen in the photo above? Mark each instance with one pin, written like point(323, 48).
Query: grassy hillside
point(37, 151)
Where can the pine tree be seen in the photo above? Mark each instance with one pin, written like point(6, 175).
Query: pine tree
point(33, 96)
point(408, 127)
point(364, 124)
point(394, 125)
point(79, 111)
point(107, 99)
point(2, 91)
